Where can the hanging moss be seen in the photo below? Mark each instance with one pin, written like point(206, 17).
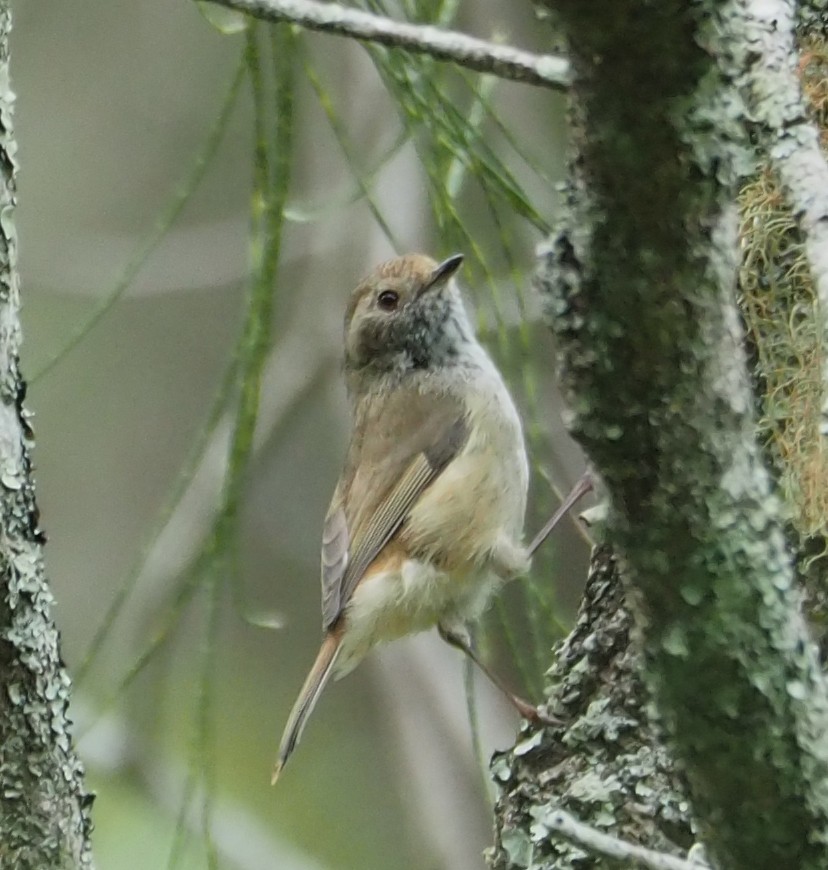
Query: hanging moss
point(780, 307)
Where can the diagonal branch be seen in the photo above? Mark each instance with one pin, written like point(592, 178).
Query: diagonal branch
point(612, 847)
point(544, 70)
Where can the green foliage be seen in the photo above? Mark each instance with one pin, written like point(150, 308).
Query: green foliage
point(451, 119)
point(483, 192)
point(199, 165)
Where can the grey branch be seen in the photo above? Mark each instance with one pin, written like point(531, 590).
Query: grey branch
point(44, 804)
point(612, 847)
point(487, 57)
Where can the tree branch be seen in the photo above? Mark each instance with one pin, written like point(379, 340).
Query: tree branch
point(640, 280)
point(504, 61)
point(44, 806)
point(612, 847)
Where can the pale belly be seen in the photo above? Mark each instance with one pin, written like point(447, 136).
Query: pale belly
point(416, 597)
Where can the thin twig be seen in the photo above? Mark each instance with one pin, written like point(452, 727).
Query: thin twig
point(504, 61)
point(159, 231)
point(612, 847)
point(582, 486)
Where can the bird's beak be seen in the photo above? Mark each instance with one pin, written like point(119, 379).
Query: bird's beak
point(442, 273)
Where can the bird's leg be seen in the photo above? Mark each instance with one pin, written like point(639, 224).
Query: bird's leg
point(581, 488)
point(460, 641)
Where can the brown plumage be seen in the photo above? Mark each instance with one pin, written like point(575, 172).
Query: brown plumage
point(427, 517)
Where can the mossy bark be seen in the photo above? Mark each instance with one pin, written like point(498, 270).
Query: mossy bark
point(608, 763)
point(44, 806)
point(640, 281)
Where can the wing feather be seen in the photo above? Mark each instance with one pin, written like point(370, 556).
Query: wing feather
point(401, 444)
point(335, 544)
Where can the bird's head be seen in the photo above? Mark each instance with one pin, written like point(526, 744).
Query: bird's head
point(407, 313)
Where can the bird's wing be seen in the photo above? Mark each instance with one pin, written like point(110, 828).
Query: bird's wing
point(400, 444)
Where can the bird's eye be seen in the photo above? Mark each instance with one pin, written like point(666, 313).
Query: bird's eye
point(388, 300)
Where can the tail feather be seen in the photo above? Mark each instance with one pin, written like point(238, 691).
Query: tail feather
point(316, 680)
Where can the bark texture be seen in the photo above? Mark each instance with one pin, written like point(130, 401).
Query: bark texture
point(640, 282)
point(608, 764)
point(44, 807)
point(812, 17)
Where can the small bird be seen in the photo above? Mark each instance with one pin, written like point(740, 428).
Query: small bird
point(426, 521)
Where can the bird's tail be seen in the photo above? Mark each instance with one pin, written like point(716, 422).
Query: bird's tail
point(311, 690)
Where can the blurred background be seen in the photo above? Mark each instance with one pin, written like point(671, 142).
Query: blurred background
point(195, 204)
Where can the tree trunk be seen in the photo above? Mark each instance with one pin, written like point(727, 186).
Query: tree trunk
point(608, 764)
point(640, 281)
point(44, 807)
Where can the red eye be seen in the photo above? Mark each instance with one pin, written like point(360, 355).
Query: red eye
point(388, 300)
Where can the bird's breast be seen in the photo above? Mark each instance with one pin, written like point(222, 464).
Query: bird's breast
point(447, 559)
point(480, 497)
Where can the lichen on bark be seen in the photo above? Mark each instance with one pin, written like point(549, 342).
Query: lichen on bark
point(44, 806)
point(607, 764)
point(639, 278)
